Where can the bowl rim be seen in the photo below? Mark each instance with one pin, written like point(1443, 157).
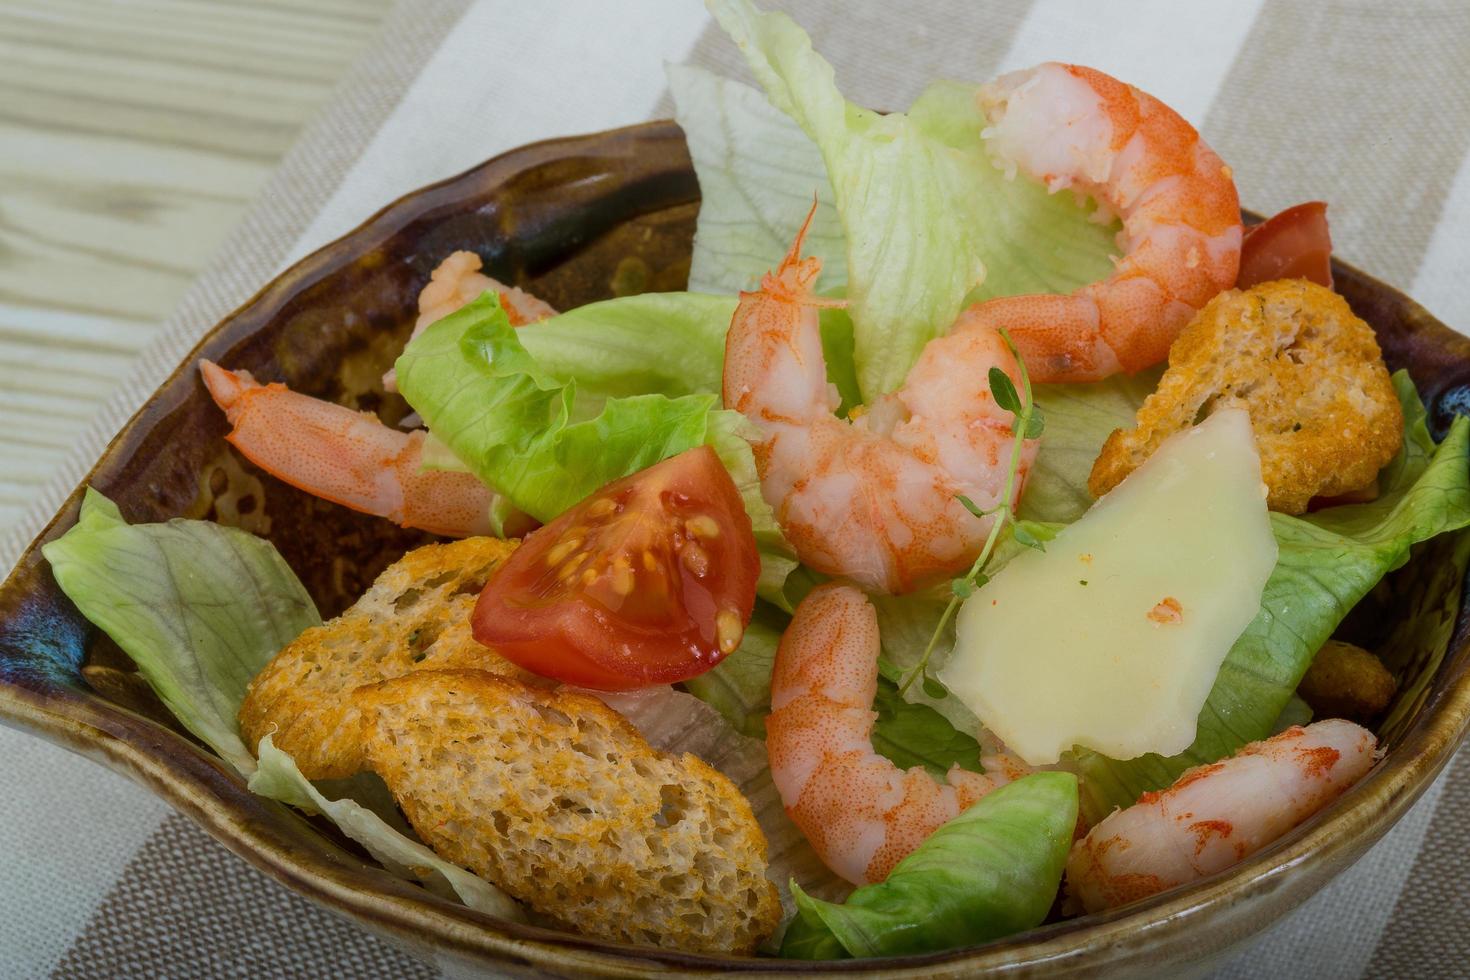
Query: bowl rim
point(189, 778)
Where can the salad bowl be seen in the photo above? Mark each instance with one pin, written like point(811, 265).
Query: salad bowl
point(577, 220)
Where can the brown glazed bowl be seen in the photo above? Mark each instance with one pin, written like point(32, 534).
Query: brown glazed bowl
point(575, 220)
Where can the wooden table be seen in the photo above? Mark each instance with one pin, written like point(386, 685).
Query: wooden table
point(132, 137)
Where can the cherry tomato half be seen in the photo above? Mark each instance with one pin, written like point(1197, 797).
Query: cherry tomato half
point(1294, 244)
point(650, 580)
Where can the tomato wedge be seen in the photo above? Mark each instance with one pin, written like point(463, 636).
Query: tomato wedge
point(650, 580)
point(1294, 244)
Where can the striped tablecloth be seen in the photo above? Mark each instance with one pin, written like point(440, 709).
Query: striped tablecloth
point(1360, 102)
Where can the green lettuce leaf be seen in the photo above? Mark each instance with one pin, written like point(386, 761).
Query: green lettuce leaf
point(278, 778)
point(758, 175)
point(927, 216)
point(739, 687)
point(990, 872)
point(668, 344)
point(490, 404)
point(200, 608)
point(485, 397)
point(912, 734)
point(1079, 419)
point(1328, 562)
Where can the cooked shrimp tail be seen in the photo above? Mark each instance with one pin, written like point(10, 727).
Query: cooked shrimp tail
point(1075, 127)
point(861, 813)
point(874, 498)
point(347, 457)
point(1217, 814)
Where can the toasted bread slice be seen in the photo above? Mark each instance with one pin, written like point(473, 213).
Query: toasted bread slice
point(1309, 372)
point(557, 799)
point(416, 616)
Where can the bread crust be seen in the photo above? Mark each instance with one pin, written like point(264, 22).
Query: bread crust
point(1307, 370)
point(415, 616)
point(558, 800)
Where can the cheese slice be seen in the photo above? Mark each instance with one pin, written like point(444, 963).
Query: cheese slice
point(1112, 637)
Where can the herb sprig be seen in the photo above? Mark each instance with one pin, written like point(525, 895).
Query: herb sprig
point(1028, 424)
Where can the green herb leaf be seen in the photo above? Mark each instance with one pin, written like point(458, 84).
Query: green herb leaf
point(973, 507)
point(990, 872)
point(961, 587)
point(1004, 391)
point(1023, 535)
point(917, 735)
point(1035, 421)
point(934, 688)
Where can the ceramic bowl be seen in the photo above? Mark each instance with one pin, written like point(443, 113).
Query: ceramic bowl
point(574, 220)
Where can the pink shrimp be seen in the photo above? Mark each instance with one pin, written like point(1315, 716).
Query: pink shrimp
point(347, 457)
point(458, 280)
point(1076, 127)
point(1215, 815)
point(861, 813)
point(874, 498)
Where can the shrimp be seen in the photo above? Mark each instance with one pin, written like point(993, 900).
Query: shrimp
point(1075, 127)
point(347, 457)
point(861, 813)
point(874, 498)
point(1215, 815)
point(458, 280)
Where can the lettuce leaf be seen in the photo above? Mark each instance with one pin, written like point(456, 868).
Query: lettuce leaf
point(758, 175)
point(990, 872)
point(1079, 419)
point(485, 397)
point(200, 608)
point(515, 426)
point(654, 343)
point(739, 687)
point(278, 779)
point(1328, 562)
point(927, 216)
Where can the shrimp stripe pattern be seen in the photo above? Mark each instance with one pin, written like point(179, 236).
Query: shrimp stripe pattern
point(860, 812)
point(1215, 815)
point(874, 498)
point(1075, 127)
point(347, 457)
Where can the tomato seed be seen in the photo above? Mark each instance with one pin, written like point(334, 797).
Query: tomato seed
point(702, 526)
point(728, 630)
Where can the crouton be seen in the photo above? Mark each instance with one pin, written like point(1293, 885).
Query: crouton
point(1293, 355)
point(557, 799)
point(415, 616)
point(1346, 681)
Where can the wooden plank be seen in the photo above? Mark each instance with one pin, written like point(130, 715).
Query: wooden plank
point(134, 135)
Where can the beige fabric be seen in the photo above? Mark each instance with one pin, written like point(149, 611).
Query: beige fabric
point(1363, 103)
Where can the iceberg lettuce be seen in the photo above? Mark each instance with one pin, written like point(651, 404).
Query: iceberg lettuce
point(990, 872)
point(528, 434)
point(201, 608)
point(929, 221)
